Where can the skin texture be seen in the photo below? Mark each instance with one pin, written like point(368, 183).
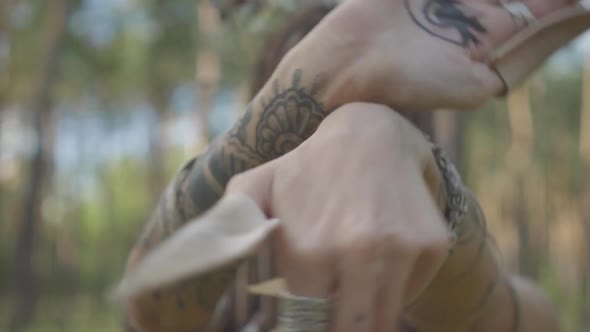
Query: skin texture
point(471, 275)
point(469, 292)
point(349, 245)
point(276, 122)
point(412, 55)
point(350, 49)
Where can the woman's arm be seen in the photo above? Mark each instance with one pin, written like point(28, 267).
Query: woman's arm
point(284, 114)
point(467, 290)
point(287, 110)
point(473, 292)
point(269, 129)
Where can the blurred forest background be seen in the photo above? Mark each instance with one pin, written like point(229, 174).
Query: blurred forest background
point(102, 100)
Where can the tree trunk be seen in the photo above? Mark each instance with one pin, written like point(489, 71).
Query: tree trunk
point(4, 47)
point(585, 193)
point(518, 159)
point(157, 155)
point(208, 71)
point(24, 274)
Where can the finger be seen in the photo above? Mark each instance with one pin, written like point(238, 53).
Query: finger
point(432, 244)
point(257, 184)
point(357, 292)
point(306, 272)
point(501, 24)
point(306, 275)
point(389, 302)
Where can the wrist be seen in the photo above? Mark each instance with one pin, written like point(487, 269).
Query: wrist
point(467, 284)
point(334, 54)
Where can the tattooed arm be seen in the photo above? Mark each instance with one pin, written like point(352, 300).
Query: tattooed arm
point(282, 116)
point(467, 291)
point(286, 111)
point(357, 50)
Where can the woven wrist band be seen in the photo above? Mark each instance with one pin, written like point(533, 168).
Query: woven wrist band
point(456, 208)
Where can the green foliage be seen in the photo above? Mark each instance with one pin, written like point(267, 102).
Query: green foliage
point(242, 38)
point(83, 312)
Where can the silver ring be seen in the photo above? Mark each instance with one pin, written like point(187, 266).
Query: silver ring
point(521, 14)
point(298, 313)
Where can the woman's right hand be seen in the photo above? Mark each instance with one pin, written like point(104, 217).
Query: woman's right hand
point(410, 54)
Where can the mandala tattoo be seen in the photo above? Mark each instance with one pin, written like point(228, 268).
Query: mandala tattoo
point(288, 119)
point(448, 20)
point(264, 132)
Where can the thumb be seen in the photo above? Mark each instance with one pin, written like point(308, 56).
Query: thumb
point(257, 184)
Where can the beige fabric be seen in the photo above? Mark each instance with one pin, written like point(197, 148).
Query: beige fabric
point(216, 233)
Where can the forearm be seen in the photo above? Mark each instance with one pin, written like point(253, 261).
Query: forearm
point(472, 292)
point(462, 288)
point(285, 113)
point(184, 306)
point(519, 306)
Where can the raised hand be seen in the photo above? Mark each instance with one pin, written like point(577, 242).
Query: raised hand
point(429, 54)
point(360, 221)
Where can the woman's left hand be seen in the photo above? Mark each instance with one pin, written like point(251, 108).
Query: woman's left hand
point(359, 222)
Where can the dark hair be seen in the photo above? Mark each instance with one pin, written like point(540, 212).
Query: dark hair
point(288, 36)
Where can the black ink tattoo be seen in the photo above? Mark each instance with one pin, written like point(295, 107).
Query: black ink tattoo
point(239, 131)
point(182, 206)
point(284, 122)
point(289, 118)
point(264, 132)
point(447, 20)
